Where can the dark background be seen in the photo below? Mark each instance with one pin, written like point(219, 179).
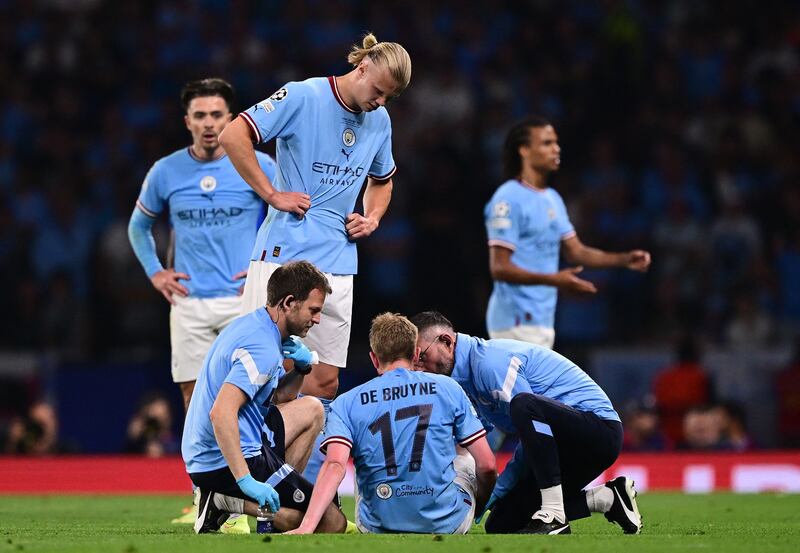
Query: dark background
point(679, 124)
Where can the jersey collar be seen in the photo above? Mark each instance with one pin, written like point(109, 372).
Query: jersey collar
point(199, 160)
point(335, 90)
point(463, 348)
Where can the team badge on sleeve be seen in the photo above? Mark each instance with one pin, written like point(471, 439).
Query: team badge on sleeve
point(500, 219)
point(279, 95)
point(501, 209)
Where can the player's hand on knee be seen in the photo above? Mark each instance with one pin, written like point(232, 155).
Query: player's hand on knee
point(261, 492)
point(167, 282)
point(298, 352)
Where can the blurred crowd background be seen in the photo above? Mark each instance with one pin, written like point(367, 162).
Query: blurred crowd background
point(679, 124)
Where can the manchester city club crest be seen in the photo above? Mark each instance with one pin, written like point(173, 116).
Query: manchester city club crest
point(384, 491)
point(279, 95)
point(349, 137)
point(207, 184)
point(501, 209)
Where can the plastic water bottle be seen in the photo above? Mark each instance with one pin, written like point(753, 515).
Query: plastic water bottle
point(264, 518)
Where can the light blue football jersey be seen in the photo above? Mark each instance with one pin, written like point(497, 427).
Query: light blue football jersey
point(492, 372)
point(531, 223)
point(326, 150)
point(402, 428)
point(248, 355)
point(214, 213)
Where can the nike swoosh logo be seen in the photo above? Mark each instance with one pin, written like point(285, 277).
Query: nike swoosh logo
point(630, 514)
point(198, 524)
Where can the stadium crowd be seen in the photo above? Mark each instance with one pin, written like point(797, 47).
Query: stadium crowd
point(679, 126)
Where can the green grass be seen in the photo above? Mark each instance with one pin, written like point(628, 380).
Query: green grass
point(128, 524)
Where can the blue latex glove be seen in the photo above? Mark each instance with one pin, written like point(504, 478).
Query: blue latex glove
point(489, 504)
point(261, 492)
point(297, 351)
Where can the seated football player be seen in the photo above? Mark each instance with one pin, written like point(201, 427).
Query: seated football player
point(401, 429)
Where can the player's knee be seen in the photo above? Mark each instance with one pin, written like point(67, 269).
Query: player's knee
point(522, 408)
point(313, 410)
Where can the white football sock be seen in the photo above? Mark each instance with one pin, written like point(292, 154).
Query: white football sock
point(227, 503)
point(553, 502)
point(599, 499)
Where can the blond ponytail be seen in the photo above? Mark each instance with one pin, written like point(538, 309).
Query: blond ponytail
point(389, 54)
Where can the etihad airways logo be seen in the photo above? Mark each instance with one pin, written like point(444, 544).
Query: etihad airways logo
point(333, 173)
point(209, 216)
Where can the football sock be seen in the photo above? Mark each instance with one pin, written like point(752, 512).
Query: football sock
point(553, 502)
point(599, 499)
point(230, 504)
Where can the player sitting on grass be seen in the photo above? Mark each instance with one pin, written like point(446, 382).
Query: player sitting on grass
point(223, 445)
point(569, 431)
point(401, 429)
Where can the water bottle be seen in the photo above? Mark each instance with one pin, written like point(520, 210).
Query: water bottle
point(264, 518)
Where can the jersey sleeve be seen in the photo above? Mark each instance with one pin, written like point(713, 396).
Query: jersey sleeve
point(383, 166)
point(250, 371)
point(277, 115)
point(151, 198)
point(565, 228)
point(503, 218)
point(467, 427)
point(337, 429)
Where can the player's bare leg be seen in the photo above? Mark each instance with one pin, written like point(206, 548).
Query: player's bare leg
point(322, 382)
point(187, 388)
point(333, 521)
point(302, 421)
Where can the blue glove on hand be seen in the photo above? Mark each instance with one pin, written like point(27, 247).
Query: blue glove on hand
point(297, 351)
point(261, 492)
point(489, 504)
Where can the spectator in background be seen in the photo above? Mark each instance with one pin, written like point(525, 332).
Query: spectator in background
point(36, 433)
point(702, 430)
point(150, 429)
point(680, 387)
point(731, 417)
point(787, 385)
point(751, 327)
point(642, 427)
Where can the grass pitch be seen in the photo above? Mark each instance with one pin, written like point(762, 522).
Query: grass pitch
point(136, 524)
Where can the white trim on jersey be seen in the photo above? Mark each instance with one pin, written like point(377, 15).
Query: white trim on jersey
point(568, 235)
point(386, 177)
point(256, 378)
point(249, 120)
point(502, 244)
point(473, 438)
point(508, 383)
point(335, 439)
point(146, 211)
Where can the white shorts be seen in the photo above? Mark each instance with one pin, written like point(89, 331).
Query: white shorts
point(465, 479)
point(331, 337)
point(539, 335)
point(194, 324)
